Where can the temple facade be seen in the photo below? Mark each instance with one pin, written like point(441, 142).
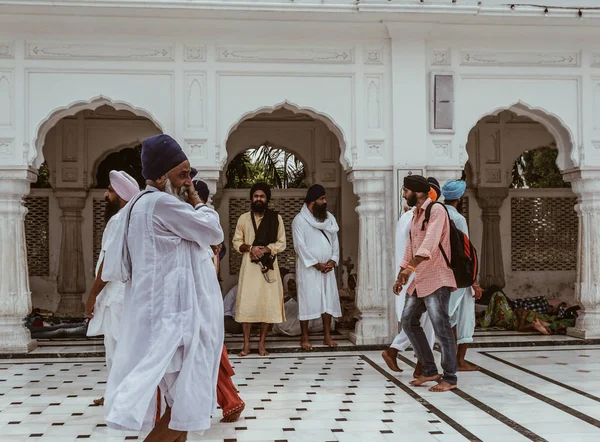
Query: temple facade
point(363, 93)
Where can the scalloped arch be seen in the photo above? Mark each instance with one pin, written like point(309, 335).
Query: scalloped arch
point(287, 105)
point(37, 156)
point(568, 157)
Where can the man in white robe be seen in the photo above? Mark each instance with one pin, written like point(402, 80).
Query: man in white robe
point(317, 248)
point(105, 302)
point(172, 328)
point(401, 341)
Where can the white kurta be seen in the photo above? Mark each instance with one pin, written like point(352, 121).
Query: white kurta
point(172, 326)
point(401, 341)
point(317, 292)
point(109, 303)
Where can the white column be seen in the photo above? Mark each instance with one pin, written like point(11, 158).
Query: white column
point(374, 296)
point(15, 297)
point(586, 185)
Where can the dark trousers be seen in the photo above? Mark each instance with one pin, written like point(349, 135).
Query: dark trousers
point(436, 306)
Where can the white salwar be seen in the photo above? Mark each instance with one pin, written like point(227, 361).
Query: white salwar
point(462, 303)
point(109, 303)
point(401, 341)
point(316, 242)
point(172, 332)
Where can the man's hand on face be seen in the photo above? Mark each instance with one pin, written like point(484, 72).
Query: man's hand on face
point(193, 197)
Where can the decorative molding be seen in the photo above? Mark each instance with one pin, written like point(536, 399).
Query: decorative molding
point(69, 143)
point(497, 58)
point(373, 56)
point(494, 176)
point(595, 61)
point(596, 145)
point(442, 149)
point(69, 174)
point(196, 149)
point(440, 57)
point(596, 100)
point(374, 149)
point(194, 53)
point(6, 49)
point(285, 55)
point(6, 99)
point(329, 149)
point(195, 95)
point(495, 151)
point(328, 175)
point(373, 84)
point(91, 51)
point(6, 147)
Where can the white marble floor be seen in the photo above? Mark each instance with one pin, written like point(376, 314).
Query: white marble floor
point(538, 394)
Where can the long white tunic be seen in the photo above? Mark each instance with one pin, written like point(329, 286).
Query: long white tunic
point(172, 316)
point(317, 292)
point(109, 303)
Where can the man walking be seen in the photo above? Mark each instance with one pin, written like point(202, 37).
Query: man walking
point(260, 237)
point(173, 335)
point(430, 290)
point(316, 243)
point(462, 301)
point(105, 302)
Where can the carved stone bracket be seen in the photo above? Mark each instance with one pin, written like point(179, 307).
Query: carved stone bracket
point(71, 271)
point(15, 296)
point(491, 269)
point(586, 185)
point(374, 261)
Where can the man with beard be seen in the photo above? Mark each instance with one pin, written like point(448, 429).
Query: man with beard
point(105, 302)
point(228, 398)
point(462, 301)
point(259, 236)
point(401, 341)
point(317, 247)
point(173, 335)
point(430, 290)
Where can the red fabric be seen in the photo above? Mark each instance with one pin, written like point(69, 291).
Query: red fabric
point(227, 395)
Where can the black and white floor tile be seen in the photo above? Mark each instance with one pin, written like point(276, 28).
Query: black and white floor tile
point(549, 393)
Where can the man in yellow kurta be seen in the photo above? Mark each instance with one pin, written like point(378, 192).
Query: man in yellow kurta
point(259, 236)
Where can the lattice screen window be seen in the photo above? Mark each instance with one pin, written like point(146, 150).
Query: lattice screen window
point(543, 234)
point(288, 208)
point(98, 227)
point(37, 235)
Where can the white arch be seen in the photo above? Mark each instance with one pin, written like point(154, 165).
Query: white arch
point(320, 116)
point(73, 108)
point(567, 158)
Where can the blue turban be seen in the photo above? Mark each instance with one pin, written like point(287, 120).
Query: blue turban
point(160, 154)
point(454, 190)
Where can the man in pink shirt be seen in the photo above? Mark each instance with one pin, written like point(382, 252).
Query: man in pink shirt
point(431, 287)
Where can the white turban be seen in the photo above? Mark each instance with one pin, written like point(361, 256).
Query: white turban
point(123, 184)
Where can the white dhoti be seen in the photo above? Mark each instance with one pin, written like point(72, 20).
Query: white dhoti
point(462, 314)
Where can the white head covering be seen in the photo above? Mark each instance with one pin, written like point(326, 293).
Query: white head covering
point(123, 184)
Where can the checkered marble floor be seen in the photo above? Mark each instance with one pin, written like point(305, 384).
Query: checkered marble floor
point(520, 394)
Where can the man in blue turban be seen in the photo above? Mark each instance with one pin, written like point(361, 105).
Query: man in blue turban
point(462, 301)
point(172, 337)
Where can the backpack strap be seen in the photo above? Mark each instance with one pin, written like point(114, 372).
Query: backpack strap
point(426, 220)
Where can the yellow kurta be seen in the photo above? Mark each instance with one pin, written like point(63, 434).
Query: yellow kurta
point(258, 300)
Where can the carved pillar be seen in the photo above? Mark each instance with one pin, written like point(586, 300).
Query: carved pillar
point(374, 297)
point(586, 185)
point(15, 297)
point(71, 272)
point(491, 263)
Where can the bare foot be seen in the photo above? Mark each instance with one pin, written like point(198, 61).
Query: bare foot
point(465, 366)
point(245, 351)
point(539, 327)
point(417, 372)
point(306, 345)
point(262, 350)
point(389, 356)
point(422, 379)
point(442, 386)
point(330, 343)
point(234, 417)
point(99, 402)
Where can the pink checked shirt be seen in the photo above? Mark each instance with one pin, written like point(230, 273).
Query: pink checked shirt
point(433, 273)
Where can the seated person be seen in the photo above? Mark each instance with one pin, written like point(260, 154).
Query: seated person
point(291, 326)
point(527, 314)
point(229, 312)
